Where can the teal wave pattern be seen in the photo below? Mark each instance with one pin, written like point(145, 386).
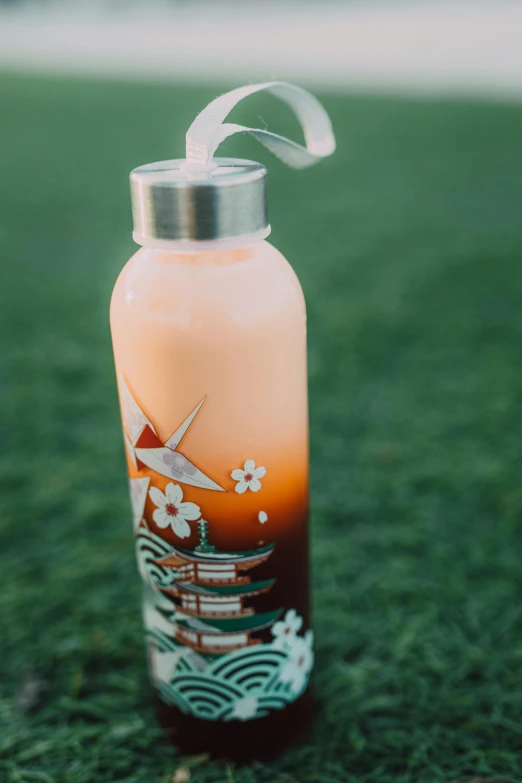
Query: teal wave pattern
point(148, 548)
point(251, 675)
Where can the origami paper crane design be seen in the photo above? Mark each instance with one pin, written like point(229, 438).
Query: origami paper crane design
point(146, 450)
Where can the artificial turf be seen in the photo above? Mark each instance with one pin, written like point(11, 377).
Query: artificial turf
point(408, 243)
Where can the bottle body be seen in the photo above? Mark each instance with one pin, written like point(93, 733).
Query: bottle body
point(210, 352)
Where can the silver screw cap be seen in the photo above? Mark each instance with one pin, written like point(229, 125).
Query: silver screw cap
point(175, 202)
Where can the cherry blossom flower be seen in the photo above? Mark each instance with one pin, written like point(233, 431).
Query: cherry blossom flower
point(172, 511)
point(300, 661)
point(245, 708)
point(249, 477)
point(285, 630)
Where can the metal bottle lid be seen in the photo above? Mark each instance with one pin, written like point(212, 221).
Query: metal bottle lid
point(176, 202)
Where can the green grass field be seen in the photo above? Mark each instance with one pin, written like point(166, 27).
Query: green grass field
point(408, 243)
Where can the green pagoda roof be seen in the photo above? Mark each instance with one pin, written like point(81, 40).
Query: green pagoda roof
point(254, 622)
point(246, 588)
point(222, 557)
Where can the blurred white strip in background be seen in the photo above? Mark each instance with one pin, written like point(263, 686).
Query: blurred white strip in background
point(472, 47)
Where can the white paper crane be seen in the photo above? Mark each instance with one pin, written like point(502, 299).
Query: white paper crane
point(146, 449)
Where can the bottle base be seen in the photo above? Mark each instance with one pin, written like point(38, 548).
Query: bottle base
point(252, 740)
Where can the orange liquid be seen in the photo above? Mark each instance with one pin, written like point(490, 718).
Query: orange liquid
point(228, 327)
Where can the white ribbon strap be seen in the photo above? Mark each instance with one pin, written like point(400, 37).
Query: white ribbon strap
point(208, 131)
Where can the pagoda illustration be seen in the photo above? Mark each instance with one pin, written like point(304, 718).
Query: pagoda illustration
point(209, 589)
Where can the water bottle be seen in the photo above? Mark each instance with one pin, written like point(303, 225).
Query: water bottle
point(209, 332)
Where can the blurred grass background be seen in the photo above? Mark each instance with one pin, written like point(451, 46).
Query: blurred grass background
point(408, 243)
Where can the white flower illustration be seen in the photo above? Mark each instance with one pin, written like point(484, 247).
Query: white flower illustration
point(300, 661)
point(172, 511)
point(285, 631)
point(262, 516)
point(245, 708)
point(248, 478)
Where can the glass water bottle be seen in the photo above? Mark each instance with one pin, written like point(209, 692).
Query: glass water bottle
point(209, 331)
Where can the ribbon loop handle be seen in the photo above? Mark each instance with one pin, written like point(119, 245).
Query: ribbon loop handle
point(208, 129)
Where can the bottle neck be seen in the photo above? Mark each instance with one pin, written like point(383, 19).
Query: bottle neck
point(200, 246)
